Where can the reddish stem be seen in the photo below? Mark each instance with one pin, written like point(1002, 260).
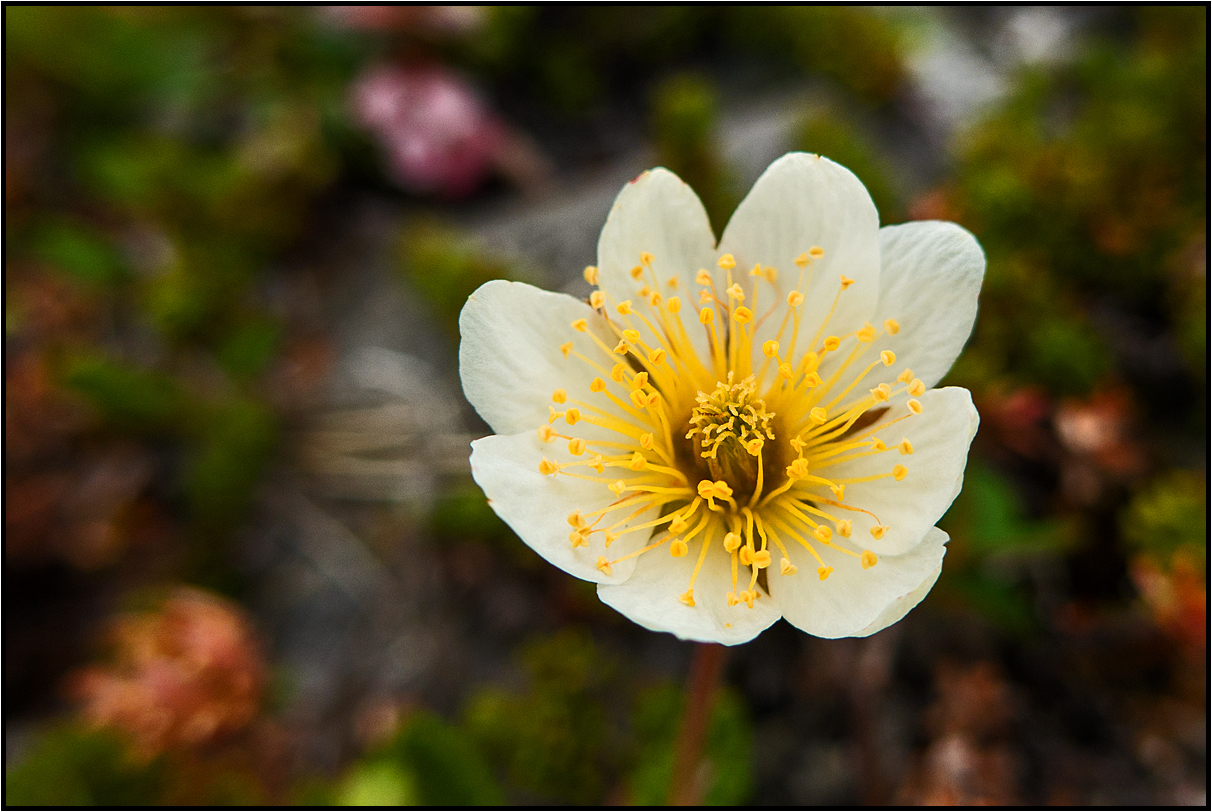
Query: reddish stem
point(705, 669)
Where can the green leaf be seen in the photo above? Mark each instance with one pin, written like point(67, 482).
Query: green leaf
point(129, 397)
point(72, 766)
point(449, 770)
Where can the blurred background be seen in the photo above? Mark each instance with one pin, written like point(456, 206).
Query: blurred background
point(244, 558)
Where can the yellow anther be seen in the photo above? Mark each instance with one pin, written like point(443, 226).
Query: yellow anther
point(722, 489)
point(732, 542)
point(646, 440)
point(687, 597)
point(868, 559)
point(637, 272)
point(878, 531)
point(816, 252)
point(914, 406)
point(580, 325)
point(546, 433)
point(706, 315)
point(706, 296)
point(702, 277)
point(802, 259)
point(604, 565)
point(553, 415)
point(572, 416)
point(879, 394)
point(576, 446)
point(617, 487)
point(846, 282)
point(597, 299)
point(624, 307)
point(866, 333)
point(899, 472)
point(637, 463)
point(653, 399)
point(673, 282)
point(746, 556)
point(611, 538)
point(638, 398)
point(678, 525)
point(674, 304)
point(591, 274)
point(645, 258)
point(771, 275)
point(622, 348)
point(640, 380)
point(757, 270)
point(798, 469)
point(727, 262)
point(839, 492)
point(655, 299)
point(786, 371)
point(878, 445)
point(905, 447)
point(795, 298)
point(832, 343)
point(822, 532)
point(818, 415)
point(730, 599)
point(770, 349)
point(566, 348)
point(797, 444)
point(577, 539)
point(891, 326)
point(917, 388)
point(823, 572)
point(812, 379)
point(811, 362)
point(735, 292)
point(754, 446)
point(786, 567)
point(575, 519)
point(888, 357)
point(743, 315)
point(761, 559)
point(906, 376)
point(597, 465)
point(749, 596)
point(547, 467)
point(844, 528)
point(559, 396)
point(597, 385)
point(618, 372)
point(656, 357)
point(678, 548)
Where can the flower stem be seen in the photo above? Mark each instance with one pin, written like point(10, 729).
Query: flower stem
point(705, 669)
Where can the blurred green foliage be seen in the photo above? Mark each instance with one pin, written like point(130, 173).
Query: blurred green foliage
point(550, 740)
point(70, 765)
point(685, 113)
point(1090, 180)
point(727, 749)
point(991, 533)
point(445, 267)
point(1169, 515)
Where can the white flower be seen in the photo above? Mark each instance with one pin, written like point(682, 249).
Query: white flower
point(725, 435)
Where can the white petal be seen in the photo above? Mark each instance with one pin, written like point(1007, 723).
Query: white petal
point(537, 506)
point(852, 601)
point(659, 214)
point(901, 606)
point(509, 357)
point(802, 201)
point(932, 273)
point(940, 437)
point(651, 597)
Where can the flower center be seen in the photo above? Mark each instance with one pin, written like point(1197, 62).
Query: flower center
point(731, 459)
point(729, 429)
